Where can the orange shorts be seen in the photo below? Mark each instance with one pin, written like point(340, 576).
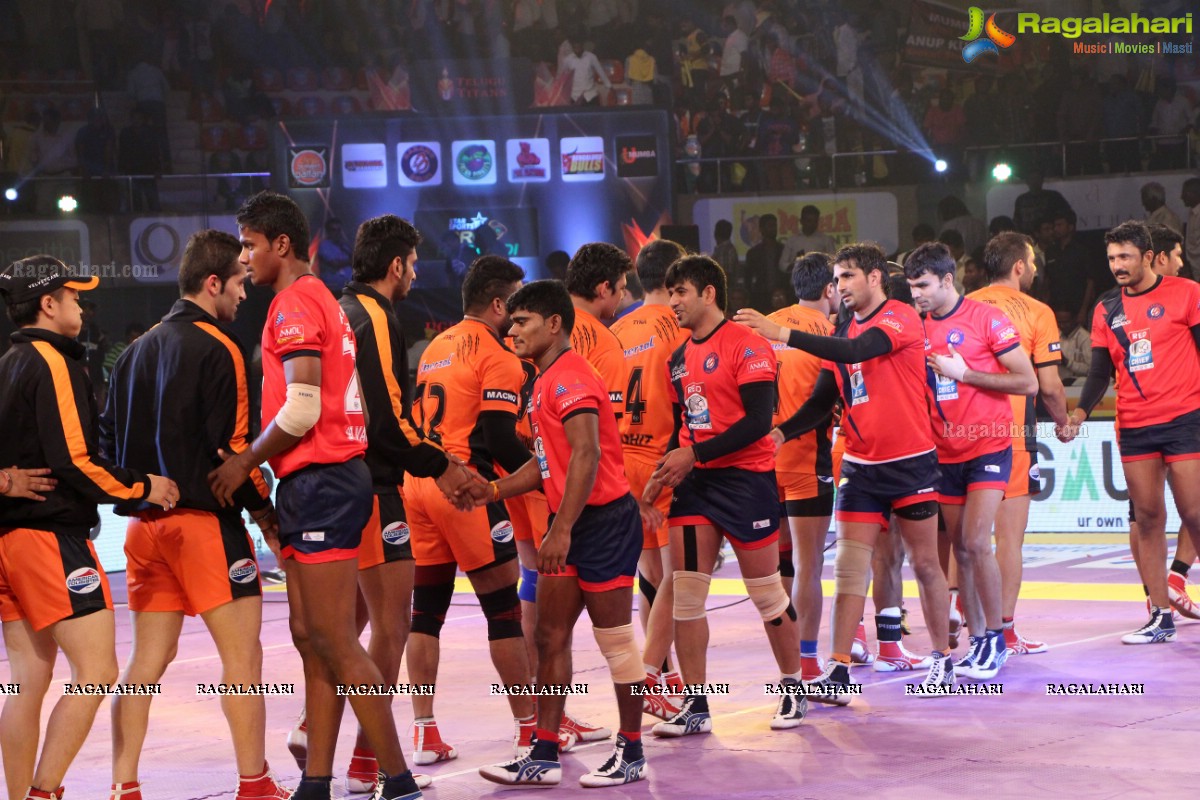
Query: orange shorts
point(530, 515)
point(187, 560)
point(638, 472)
point(441, 534)
point(386, 537)
point(1024, 479)
point(32, 586)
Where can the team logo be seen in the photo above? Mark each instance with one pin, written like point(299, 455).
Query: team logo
point(502, 532)
point(1035, 473)
point(308, 167)
point(955, 337)
point(84, 580)
point(1119, 321)
point(364, 166)
point(528, 160)
point(474, 162)
point(696, 405)
point(243, 571)
point(996, 40)
point(582, 158)
point(279, 319)
point(420, 163)
point(749, 353)
point(637, 157)
point(1155, 311)
point(396, 533)
point(710, 363)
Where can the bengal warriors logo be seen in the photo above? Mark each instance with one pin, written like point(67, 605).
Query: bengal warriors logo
point(419, 163)
point(474, 162)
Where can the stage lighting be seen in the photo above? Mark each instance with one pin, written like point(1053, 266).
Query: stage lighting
point(940, 165)
point(1002, 171)
point(67, 204)
point(10, 194)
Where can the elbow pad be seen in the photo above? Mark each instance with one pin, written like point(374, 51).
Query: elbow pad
point(301, 410)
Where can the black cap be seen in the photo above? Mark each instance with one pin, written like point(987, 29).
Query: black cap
point(30, 278)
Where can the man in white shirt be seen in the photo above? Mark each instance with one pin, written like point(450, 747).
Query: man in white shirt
point(736, 44)
point(585, 68)
point(808, 240)
point(1154, 200)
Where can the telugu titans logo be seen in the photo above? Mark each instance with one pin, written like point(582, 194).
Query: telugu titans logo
point(996, 38)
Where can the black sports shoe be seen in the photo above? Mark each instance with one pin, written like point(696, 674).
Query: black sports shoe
point(793, 706)
point(1160, 628)
point(832, 687)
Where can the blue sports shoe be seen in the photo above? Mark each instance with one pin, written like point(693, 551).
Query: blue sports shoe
point(620, 768)
point(687, 722)
point(524, 771)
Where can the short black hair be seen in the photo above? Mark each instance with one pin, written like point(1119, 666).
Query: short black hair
point(923, 231)
point(209, 252)
point(1133, 232)
point(811, 275)
point(723, 229)
point(274, 215)
point(545, 298)
point(653, 261)
point(810, 209)
point(952, 238)
point(594, 264)
point(1067, 214)
point(379, 242)
point(701, 272)
point(1001, 224)
point(26, 313)
point(556, 264)
point(487, 278)
point(1163, 238)
point(1002, 253)
point(931, 257)
point(867, 256)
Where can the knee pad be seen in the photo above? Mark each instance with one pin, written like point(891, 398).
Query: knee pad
point(769, 598)
point(691, 591)
point(919, 511)
point(787, 567)
point(527, 589)
point(621, 651)
point(502, 608)
point(852, 567)
point(647, 589)
point(431, 601)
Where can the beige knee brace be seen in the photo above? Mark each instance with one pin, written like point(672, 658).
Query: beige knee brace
point(691, 592)
point(621, 651)
point(768, 596)
point(851, 567)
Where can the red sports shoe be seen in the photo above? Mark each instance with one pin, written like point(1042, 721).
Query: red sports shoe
point(262, 787)
point(658, 700)
point(126, 791)
point(297, 741)
point(428, 747)
point(363, 773)
point(674, 680)
point(572, 730)
point(1177, 593)
point(859, 652)
point(523, 738)
point(811, 668)
point(894, 657)
point(42, 794)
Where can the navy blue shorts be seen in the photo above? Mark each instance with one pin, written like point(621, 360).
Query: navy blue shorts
point(743, 505)
point(322, 511)
point(606, 542)
point(989, 471)
point(1177, 440)
point(869, 492)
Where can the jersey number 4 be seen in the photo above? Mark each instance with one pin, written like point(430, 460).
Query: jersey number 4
point(635, 406)
point(430, 423)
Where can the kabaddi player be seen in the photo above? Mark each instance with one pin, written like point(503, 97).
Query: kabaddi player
point(383, 271)
point(50, 413)
point(722, 472)
point(1149, 327)
point(1168, 260)
point(1009, 263)
point(975, 359)
point(467, 399)
point(314, 435)
point(589, 554)
point(176, 397)
point(648, 335)
point(875, 362)
point(804, 467)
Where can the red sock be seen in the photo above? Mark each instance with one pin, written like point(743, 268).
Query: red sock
point(632, 736)
point(544, 735)
point(255, 778)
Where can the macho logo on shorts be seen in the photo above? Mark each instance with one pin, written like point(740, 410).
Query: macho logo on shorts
point(84, 580)
point(243, 571)
point(396, 533)
point(996, 38)
point(502, 532)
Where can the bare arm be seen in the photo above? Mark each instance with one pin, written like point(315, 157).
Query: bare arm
point(1053, 394)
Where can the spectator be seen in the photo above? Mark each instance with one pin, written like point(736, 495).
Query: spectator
point(1000, 224)
point(641, 70)
point(776, 135)
point(979, 112)
point(138, 154)
point(922, 232)
point(1080, 120)
point(762, 263)
point(20, 155)
point(732, 53)
point(1172, 117)
point(230, 191)
point(973, 278)
point(846, 39)
point(953, 214)
point(585, 69)
point(781, 63)
point(954, 243)
point(1154, 200)
point(1122, 112)
point(95, 345)
point(334, 255)
point(808, 240)
point(1076, 345)
point(98, 22)
point(148, 89)
point(96, 149)
point(945, 123)
point(724, 253)
point(556, 264)
point(1191, 243)
point(1069, 271)
point(1037, 204)
point(133, 332)
point(693, 61)
point(53, 146)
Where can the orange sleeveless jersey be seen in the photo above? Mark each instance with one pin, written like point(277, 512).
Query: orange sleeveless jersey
point(1034, 320)
point(794, 384)
point(600, 347)
point(648, 336)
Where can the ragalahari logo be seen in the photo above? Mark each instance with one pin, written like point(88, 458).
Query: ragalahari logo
point(996, 40)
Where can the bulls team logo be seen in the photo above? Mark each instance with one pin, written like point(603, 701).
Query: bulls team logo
point(1155, 311)
point(711, 362)
point(502, 532)
point(420, 163)
point(396, 533)
point(243, 571)
point(84, 580)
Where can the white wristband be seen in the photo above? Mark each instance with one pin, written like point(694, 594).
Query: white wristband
point(301, 410)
